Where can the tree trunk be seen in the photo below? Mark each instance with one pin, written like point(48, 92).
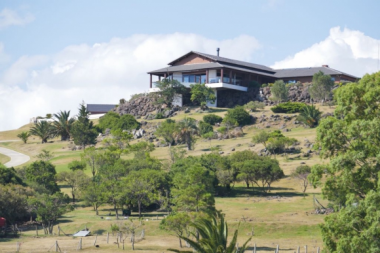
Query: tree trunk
point(247, 183)
point(180, 242)
point(139, 204)
point(116, 212)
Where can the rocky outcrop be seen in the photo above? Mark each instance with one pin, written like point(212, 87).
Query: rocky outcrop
point(138, 107)
point(297, 93)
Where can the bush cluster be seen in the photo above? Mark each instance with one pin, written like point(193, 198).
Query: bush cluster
point(238, 114)
point(212, 119)
point(288, 107)
point(114, 121)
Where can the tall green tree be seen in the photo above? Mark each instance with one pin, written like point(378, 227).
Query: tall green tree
point(168, 90)
point(9, 176)
point(186, 131)
point(49, 208)
point(44, 174)
point(177, 223)
point(143, 187)
point(301, 173)
point(14, 202)
point(321, 87)
point(202, 94)
point(214, 237)
point(62, 124)
point(44, 130)
point(193, 189)
point(74, 179)
point(279, 91)
point(83, 131)
point(167, 130)
point(350, 139)
point(94, 194)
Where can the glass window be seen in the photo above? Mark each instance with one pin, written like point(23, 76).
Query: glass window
point(185, 78)
point(191, 78)
point(203, 78)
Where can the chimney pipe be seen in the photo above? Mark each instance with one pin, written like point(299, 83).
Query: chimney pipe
point(326, 66)
point(217, 51)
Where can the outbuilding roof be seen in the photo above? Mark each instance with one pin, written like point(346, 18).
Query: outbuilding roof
point(100, 107)
point(300, 72)
point(226, 60)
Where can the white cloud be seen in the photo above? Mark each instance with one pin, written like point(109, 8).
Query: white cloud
point(9, 17)
point(99, 73)
point(344, 49)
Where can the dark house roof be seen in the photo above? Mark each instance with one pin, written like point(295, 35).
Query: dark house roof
point(190, 67)
point(222, 60)
point(301, 72)
point(100, 108)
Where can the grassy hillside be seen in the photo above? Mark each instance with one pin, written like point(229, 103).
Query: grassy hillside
point(281, 217)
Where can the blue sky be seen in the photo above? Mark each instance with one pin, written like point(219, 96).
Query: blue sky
point(100, 51)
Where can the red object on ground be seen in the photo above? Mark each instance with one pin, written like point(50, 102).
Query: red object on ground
point(2, 222)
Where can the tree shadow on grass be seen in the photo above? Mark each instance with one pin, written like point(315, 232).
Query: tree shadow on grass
point(99, 232)
point(257, 192)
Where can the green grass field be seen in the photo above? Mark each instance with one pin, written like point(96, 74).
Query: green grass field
point(283, 217)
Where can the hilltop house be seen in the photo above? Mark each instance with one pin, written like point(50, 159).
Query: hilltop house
point(226, 75)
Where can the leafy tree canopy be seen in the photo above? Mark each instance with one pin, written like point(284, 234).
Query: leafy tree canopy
point(9, 176)
point(321, 86)
point(168, 90)
point(43, 173)
point(351, 141)
point(202, 94)
point(279, 91)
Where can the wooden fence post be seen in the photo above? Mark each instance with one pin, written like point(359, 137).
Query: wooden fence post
point(305, 248)
point(17, 246)
point(36, 230)
point(108, 235)
point(298, 249)
point(80, 244)
point(277, 249)
point(254, 248)
point(59, 231)
point(96, 237)
point(318, 250)
point(56, 246)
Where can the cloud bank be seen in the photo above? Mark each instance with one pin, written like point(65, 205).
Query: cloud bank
point(35, 85)
point(10, 17)
point(100, 73)
point(344, 49)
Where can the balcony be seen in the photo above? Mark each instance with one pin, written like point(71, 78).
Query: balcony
point(214, 83)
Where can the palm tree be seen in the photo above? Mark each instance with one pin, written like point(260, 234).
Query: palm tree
point(187, 128)
point(310, 115)
point(62, 124)
point(24, 136)
point(214, 237)
point(44, 130)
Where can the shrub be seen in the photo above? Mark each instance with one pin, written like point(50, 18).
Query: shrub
point(240, 115)
point(77, 165)
point(279, 91)
point(222, 130)
point(288, 107)
point(114, 121)
point(254, 105)
point(310, 115)
point(264, 85)
point(212, 119)
point(205, 128)
point(159, 115)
